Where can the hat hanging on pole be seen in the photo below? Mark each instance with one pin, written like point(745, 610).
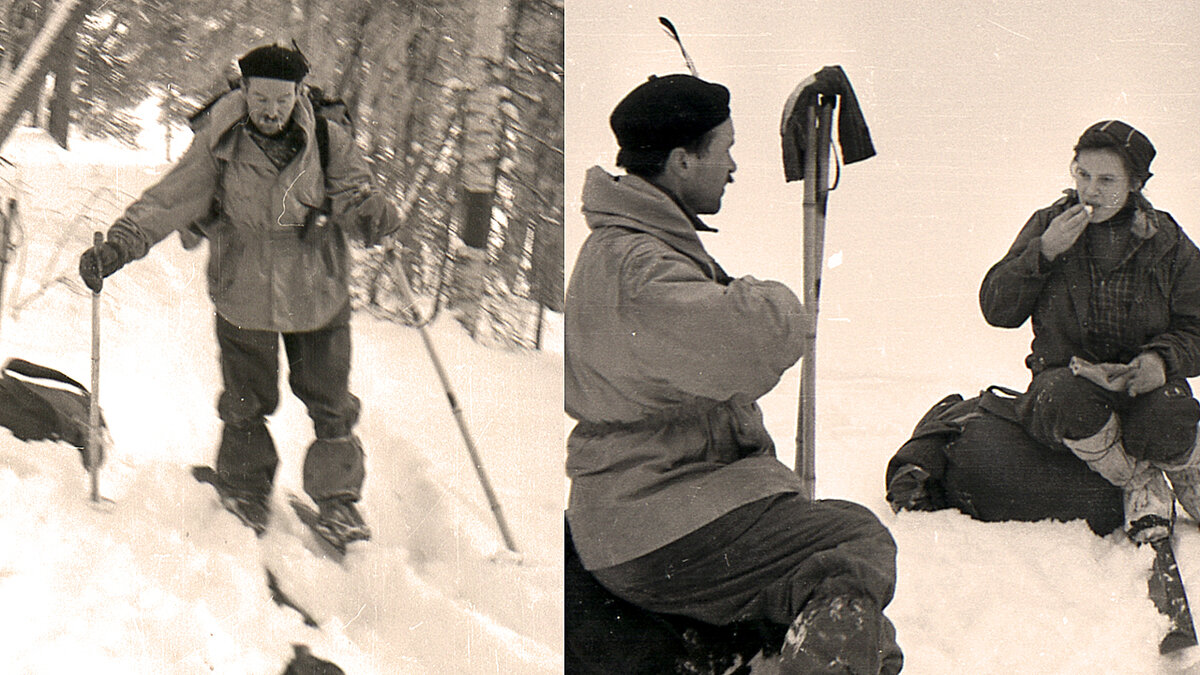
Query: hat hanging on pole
point(670, 29)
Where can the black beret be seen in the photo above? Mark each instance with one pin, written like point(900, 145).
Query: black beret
point(1138, 149)
point(275, 62)
point(668, 112)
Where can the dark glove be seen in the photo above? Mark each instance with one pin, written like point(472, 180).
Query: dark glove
point(376, 219)
point(111, 260)
point(909, 490)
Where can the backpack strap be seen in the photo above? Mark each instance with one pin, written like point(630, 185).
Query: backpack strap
point(322, 131)
point(23, 367)
point(1001, 402)
point(314, 216)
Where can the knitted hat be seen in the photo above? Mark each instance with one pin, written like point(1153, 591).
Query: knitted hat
point(668, 112)
point(1131, 143)
point(275, 62)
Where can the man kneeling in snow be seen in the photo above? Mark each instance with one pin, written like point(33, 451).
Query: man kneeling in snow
point(255, 175)
point(678, 504)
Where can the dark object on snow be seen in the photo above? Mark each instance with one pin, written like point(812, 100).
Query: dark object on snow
point(853, 134)
point(1167, 592)
point(40, 403)
point(284, 600)
point(980, 460)
point(605, 634)
point(304, 663)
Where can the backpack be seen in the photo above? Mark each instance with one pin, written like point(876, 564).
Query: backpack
point(40, 403)
point(326, 109)
point(980, 460)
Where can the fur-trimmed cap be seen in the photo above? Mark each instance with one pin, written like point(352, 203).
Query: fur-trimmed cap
point(275, 62)
point(668, 112)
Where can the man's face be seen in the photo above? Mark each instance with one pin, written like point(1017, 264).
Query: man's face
point(270, 102)
point(709, 172)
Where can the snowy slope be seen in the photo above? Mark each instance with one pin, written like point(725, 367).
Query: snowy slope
point(167, 582)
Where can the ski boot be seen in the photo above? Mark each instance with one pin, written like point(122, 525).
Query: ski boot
point(1149, 507)
point(341, 521)
point(838, 634)
point(252, 508)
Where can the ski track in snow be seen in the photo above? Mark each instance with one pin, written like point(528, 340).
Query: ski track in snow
point(168, 582)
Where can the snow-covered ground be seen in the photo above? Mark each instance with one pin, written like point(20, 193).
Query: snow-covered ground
point(165, 581)
point(974, 109)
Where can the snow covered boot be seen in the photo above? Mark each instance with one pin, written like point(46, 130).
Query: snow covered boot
point(838, 634)
point(340, 520)
point(1186, 485)
point(1185, 480)
point(1149, 504)
point(250, 507)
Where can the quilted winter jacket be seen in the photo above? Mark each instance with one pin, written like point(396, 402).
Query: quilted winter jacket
point(1056, 293)
point(261, 274)
point(663, 366)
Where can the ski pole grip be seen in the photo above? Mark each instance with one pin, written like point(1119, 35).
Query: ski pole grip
point(97, 241)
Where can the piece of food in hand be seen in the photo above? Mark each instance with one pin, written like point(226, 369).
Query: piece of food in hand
point(1089, 208)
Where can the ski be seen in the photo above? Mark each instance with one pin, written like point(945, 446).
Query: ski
point(1169, 596)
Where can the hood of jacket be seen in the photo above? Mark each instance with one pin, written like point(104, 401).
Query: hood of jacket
point(634, 203)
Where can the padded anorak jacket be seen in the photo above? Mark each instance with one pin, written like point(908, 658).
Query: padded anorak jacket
point(1164, 315)
point(665, 357)
point(262, 274)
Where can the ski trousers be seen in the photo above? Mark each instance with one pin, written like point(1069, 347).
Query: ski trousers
point(765, 561)
point(319, 375)
point(1159, 425)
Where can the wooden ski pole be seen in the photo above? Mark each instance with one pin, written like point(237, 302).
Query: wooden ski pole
point(93, 443)
point(816, 193)
point(493, 502)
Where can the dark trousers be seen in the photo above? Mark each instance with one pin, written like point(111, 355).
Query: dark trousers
point(319, 375)
point(1159, 425)
point(765, 561)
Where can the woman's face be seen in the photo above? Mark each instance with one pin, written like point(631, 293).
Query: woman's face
point(1102, 181)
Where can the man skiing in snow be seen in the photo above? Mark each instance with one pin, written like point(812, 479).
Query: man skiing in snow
point(677, 501)
point(278, 268)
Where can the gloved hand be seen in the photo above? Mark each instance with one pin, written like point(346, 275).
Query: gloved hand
point(93, 274)
point(909, 490)
point(1111, 376)
point(376, 219)
point(1147, 372)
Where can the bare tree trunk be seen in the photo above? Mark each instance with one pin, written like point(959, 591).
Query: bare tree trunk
point(63, 99)
point(481, 142)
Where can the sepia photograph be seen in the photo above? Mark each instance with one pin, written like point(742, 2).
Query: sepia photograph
point(879, 329)
point(281, 324)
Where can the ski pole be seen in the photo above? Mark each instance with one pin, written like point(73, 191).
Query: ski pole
point(93, 443)
point(5, 236)
point(816, 186)
point(409, 299)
